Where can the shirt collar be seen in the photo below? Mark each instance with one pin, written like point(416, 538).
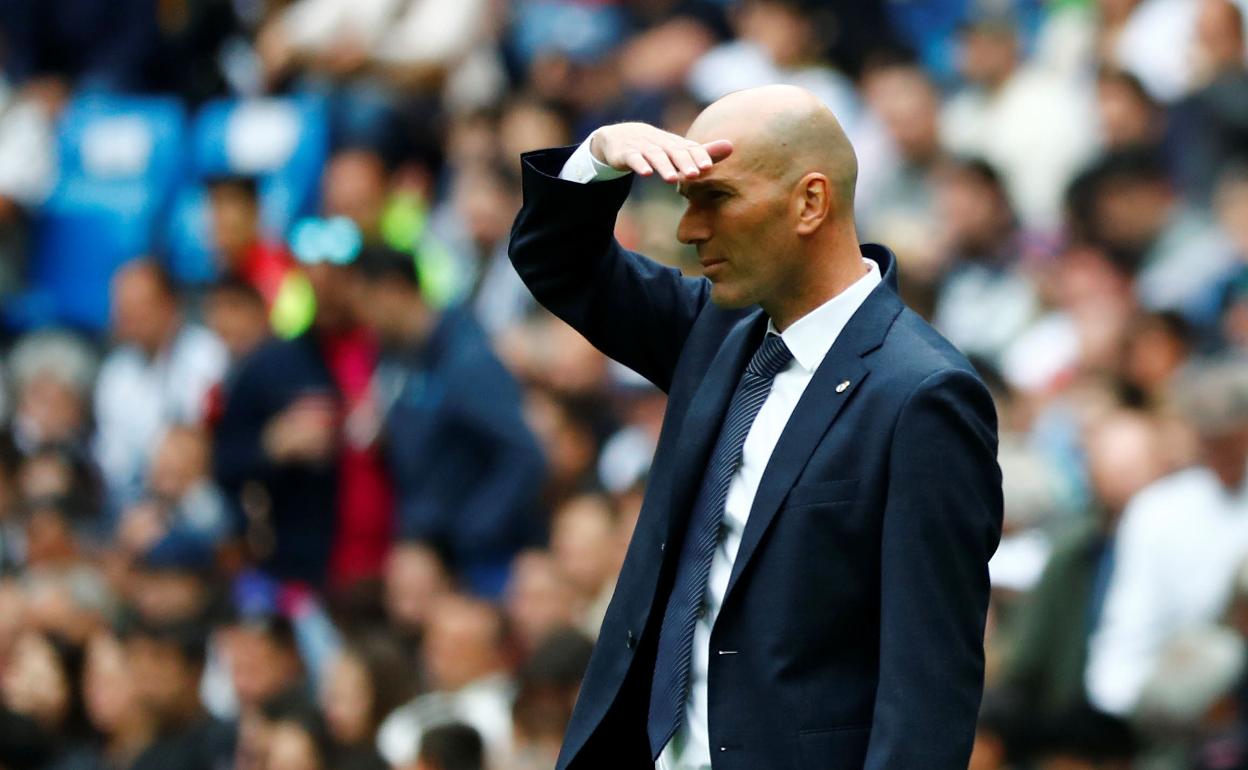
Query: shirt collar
point(810, 337)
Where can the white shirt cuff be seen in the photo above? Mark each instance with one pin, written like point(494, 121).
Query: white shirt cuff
point(583, 167)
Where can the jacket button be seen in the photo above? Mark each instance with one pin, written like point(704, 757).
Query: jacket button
point(631, 641)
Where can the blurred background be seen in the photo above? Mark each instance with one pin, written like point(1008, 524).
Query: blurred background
point(294, 475)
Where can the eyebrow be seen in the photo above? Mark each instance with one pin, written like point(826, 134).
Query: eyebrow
point(685, 188)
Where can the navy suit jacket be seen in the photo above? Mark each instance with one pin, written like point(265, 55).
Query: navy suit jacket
point(851, 633)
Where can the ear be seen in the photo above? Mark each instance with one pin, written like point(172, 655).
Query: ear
point(812, 202)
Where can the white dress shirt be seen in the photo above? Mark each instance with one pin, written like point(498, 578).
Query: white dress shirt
point(1180, 544)
point(809, 339)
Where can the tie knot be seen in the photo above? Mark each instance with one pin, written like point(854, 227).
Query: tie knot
point(771, 356)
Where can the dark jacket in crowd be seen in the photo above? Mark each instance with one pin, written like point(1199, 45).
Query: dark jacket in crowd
point(467, 470)
point(292, 506)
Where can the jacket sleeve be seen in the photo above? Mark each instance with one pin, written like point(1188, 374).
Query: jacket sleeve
point(942, 523)
point(631, 308)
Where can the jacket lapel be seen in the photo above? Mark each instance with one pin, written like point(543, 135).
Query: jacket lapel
point(816, 411)
point(700, 427)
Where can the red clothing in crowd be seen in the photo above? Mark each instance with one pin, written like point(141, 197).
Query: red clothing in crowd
point(365, 495)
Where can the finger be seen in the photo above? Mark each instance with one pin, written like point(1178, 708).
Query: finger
point(683, 161)
point(634, 160)
point(701, 156)
point(718, 149)
point(662, 164)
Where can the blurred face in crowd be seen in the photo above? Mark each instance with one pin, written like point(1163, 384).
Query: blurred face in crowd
point(347, 701)
point(528, 125)
point(109, 689)
point(989, 54)
point(1128, 118)
point(974, 211)
point(567, 442)
point(394, 310)
point(584, 542)
point(35, 683)
point(1219, 39)
point(239, 319)
point(783, 31)
point(463, 643)
point(144, 313)
point(905, 99)
point(292, 748)
point(354, 186)
point(50, 539)
point(1131, 212)
point(261, 667)
point(1124, 455)
point(180, 462)
point(540, 598)
point(166, 680)
point(337, 289)
point(487, 202)
point(234, 214)
point(415, 580)
point(50, 409)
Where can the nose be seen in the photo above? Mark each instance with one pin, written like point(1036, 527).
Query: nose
point(693, 228)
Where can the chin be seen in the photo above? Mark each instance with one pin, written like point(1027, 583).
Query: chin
point(726, 297)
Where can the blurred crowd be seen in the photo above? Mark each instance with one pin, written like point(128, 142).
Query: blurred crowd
point(354, 501)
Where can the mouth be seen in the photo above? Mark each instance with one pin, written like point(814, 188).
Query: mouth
point(709, 264)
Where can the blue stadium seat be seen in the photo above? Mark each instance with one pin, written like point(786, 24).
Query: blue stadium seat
point(282, 142)
point(120, 157)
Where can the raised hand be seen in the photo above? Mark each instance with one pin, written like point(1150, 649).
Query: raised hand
point(646, 150)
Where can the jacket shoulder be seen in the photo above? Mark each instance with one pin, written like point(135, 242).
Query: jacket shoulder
point(914, 353)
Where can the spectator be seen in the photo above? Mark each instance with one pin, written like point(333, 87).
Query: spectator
point(540, 599)
point(548, 685)
point(985, 299)
point(243, 252)
point(1002, 115)
point(314, 491)
point(1041, 695)
point(466, 664)
point(182, 499)
point(264, 661)
point(52, 375)
point(235, 311)
point(368, 680)
point(1174, 573)
point(123, 723)
point(1212, 121)
point(166, 662)
point(416, 578)
point(585, 542)
point(158, 376)
point(451, 747)
point(466, 469)
point(1134, 212)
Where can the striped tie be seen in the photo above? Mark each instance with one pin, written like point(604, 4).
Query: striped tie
point(671, 672)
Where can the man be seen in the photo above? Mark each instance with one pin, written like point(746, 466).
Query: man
point(315, 493)
point(1180, 544)
point(467, 470)
point(159, 376)
point(826, 607)
point(167, 662)
point(465, 656)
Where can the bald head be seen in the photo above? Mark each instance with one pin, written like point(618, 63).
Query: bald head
point(783, 132)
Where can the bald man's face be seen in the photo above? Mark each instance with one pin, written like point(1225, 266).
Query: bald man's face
point(738, 220)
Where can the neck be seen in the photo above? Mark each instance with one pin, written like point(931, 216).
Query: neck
point(836, 272)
